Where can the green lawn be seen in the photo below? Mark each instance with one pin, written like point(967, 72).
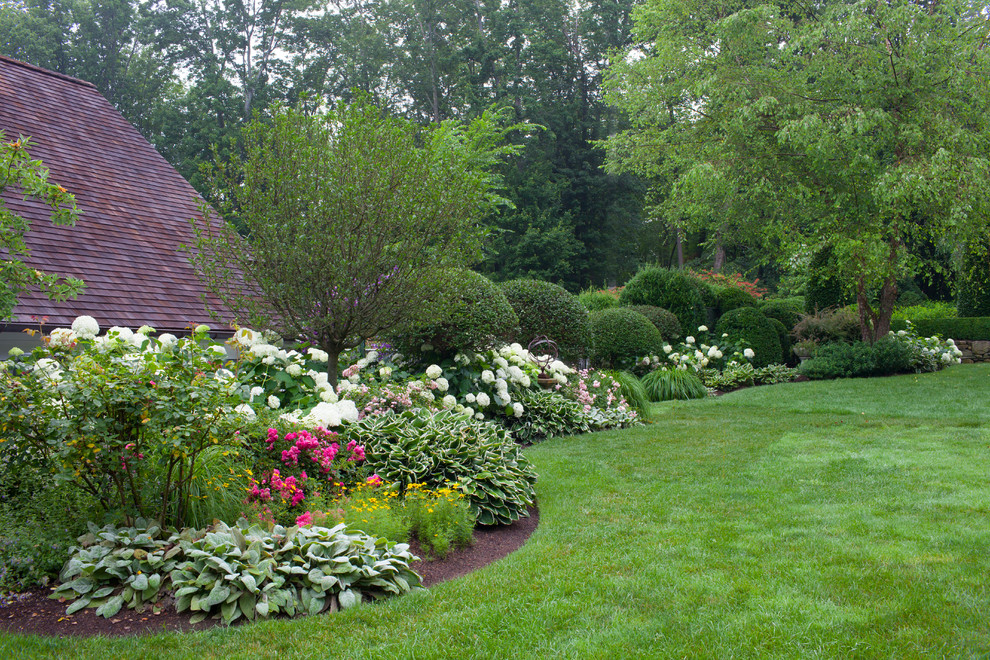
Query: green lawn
point(840, 519)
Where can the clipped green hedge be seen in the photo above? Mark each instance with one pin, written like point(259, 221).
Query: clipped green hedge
point(477, 316)
point(748, 324)
point(729, 298)
point(595, 301)
point(973, 328)
point(670, 289)
point(788, 311)
point(544, 308)
point(784, 335)
point(621, 334)
point(666, 321)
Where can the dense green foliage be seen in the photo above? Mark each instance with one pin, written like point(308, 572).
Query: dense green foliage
point(827, 326)
point(825, 289)
point(972, 328)
point(621, 335)
point(669, 289)
point(475, 315)
point(784, 335)
point(547, 414)
point(785, 311)
point(665, 321)
point(632, 390)
point(858, 360)
point(418, 446)
point(594, 301)
point(787, 126)
point(749, 325)
point(546, 309)
point(973, 283)
point(673, 384)
point(728, 298)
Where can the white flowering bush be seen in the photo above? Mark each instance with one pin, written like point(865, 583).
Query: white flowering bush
point(697, 353)
point(123, 415)
point(928, 353)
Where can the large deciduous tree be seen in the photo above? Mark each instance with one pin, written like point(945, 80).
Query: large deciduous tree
point(350, 215)
point(862, 125)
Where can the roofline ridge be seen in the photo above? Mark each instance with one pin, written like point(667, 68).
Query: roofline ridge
point(47, 72)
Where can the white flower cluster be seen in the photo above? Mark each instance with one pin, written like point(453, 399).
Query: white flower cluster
point(929, 353)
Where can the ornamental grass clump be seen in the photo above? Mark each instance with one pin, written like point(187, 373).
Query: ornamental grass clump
point(673, 384)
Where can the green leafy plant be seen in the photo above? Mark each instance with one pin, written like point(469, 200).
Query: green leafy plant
point(729, 298)
point(671, 290)
point(633, 391)
point(594, 301)
point(114, 567)
point(671, 384)
point(665, 321)
point(788, 311)
point(622, 335)
point(828, 325)
point(440, 518)
point(546, 309)
point(749, 325)
point(419, 446)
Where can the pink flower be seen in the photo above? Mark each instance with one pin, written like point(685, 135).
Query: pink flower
point(375, 480)
point(305, 519)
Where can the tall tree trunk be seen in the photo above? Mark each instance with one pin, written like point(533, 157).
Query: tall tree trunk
point(719, 253)
point(679, 240)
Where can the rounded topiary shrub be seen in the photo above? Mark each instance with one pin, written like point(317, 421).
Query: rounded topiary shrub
point(748, 324)
point(729, 298)
point(621, 335)
point(825, 288)
point(597, 300)
point(475, 315)
point(544, 308)
point(785, 340)
point(973, 285)
point(672, 290)
point(665, 321)
point(786, 311)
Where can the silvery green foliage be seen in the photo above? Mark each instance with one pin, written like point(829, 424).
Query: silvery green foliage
point(249, 571)
point(115, 567)
point(233, 572)
point(419, 446)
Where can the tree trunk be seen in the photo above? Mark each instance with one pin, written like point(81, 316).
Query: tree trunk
point(719, 253)
point(333, 361)
point(680, 248)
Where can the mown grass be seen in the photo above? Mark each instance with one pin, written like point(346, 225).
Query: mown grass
point(840, 519)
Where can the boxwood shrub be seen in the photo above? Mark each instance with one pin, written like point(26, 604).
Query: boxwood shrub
point(622, 335)
point(858, 360)
point(665, 321)
point(785, 341)
point(749, 325)
point(476, 316)
point(547, 309)
point(729, 298)
point(973, 328)
point(787, 311)
point(672, 290)
point(594, 301)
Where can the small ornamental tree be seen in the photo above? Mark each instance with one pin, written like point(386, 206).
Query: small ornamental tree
point(349, 216)
point(29, 178)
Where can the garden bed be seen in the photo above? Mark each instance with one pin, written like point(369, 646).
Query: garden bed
point(33, 612)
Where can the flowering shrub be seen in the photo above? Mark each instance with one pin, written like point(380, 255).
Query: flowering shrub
point(695, 354)
point(125, 416)
point(598, 395)
point(301, 465)
point(734, 281)
point(928, 353)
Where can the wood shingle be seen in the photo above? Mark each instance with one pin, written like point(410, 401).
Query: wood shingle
point(135, 208)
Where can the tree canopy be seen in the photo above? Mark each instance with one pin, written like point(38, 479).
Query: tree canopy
point(350, 214)
point(861, 125)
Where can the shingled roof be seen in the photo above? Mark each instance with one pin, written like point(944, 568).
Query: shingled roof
point(135, 208)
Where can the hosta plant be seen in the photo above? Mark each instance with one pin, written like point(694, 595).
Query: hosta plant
point(116, 567)
point(419, 446)
point(248, 571)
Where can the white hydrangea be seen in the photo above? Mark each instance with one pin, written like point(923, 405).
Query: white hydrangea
point(689, 340)
point(501, 363)
point(323, 414)
point(702, 328)
point(327, 394)
point(434, 371)
point(560, 378)
point(317, 355)
point(245, 410)
point(348, 411)
point(256, 391)
point(319, 377)
point(469, 397)
point(503, 387)
point(202, 328)
point(449, 401)
point(487, 377)
point(48, 367)
point(483, 400)
point(263, 350)
point(748, 352)
point(246, 338)
point(479, 416)
point(712, 351)
point(525, 381)
point(168, 340)
point(62, 338)
point(217, 350)
point(667, 348)
point(517, 409)
point(372, 356)
point(124, 334)
point(268, 359)
point(85, 327)
point(354, 379)
point(385, 372)
point(273, 402)
point(224, 374)
point(427, 395)
point(294, 370)
point(442, 384)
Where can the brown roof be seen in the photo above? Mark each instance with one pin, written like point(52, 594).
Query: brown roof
point(135, 207)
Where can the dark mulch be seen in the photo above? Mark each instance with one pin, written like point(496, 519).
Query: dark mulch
point(33, 612)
